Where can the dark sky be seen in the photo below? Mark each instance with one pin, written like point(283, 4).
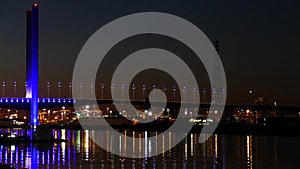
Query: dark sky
point(259, 39)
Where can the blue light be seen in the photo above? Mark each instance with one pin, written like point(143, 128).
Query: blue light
point(22, 100)
point(33, 70)
point(43, 100)
point(11, 100)
point(6, 100)
point(53, 100)
point(17, 100)
point(58, 100)
point(34, 157)
point(48, 100)
point(27, 100)
point(64, 100)
point(1, 100)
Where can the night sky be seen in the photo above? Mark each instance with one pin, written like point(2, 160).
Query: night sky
point(259, 39)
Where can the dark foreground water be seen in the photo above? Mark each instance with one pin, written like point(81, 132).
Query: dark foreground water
point(220, 151)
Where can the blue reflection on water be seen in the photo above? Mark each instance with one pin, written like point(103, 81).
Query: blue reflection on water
point(219, 151)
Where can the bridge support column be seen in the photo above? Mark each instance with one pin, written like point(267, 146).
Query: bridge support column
point(32, 71)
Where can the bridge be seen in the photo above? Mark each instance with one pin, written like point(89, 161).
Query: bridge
point(53, 103)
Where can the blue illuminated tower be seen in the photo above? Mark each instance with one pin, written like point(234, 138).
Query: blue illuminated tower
point(32, 69)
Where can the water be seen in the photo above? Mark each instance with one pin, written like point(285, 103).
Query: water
point(220, 151)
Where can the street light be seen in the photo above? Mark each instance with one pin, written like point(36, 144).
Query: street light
point(133, 91)
point(59, 89)
point(70, 89)
point(174, 93)
point(143, 90)
point(92, 89)
point(204, 93)
point(48, 89)
point(123, 88)
point(154, 87)
point(81, 87)
point(194, 92)
point(25, 87)
point(15, 88)
point(102, 90)
point(164, 88)
point(214, 91)
point(251, 94)
point(184, 90)
point(3, 88)
point(112, 89)
point(223, 91)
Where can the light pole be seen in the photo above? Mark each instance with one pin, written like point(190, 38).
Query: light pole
point(3, 88)
point(133, 91)
point(48, 89)
point(223, 91)
point(102, 90)
point(15, 88)
point(81, 87)
point(251, 94)
point(154, 87)
point(184, 90)
point(174, 93)
point(194, 92)
point(143, 90)
point(25, 88)
point(70, 89)
point(213, 91)
point(112, 89)
point(204, 93)
point(91, 89)
point(164, 88)
point(123, 88)
point(59, 89)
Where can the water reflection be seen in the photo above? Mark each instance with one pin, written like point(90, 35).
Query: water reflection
point(249, 151)
point(218, 152)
